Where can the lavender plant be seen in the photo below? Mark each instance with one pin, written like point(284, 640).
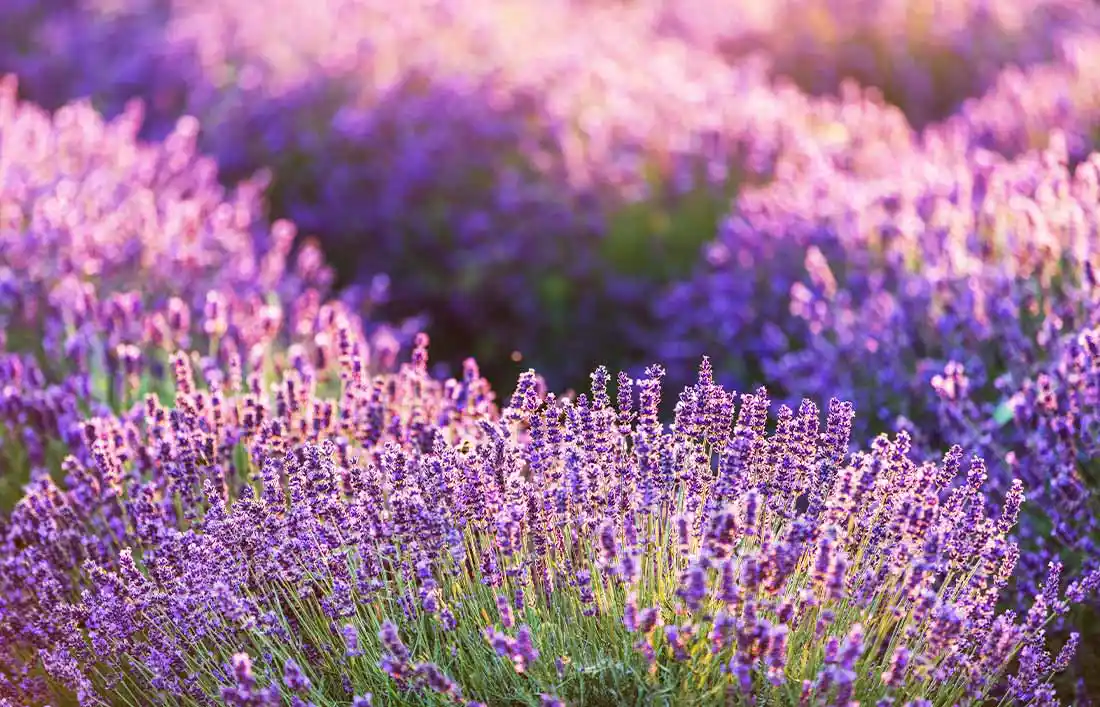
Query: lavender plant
point(115, 215)
point(121, 353)
point(976, 316)
point(956, 281)
point(118, 253)
point(1027, 105)
point(415, 546)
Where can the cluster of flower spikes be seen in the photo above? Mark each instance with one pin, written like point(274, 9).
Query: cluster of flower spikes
point(123, 219)
point(973, 254)
point(422, 546)
point(123, 351)
point(812, 203)
point(140, 477)
point(910, 49)
point(964, 260)
point(119, 252)
point(112, 209)
point(993, 280)
point(507, 145)
point(1044, 432)
point(173, 451)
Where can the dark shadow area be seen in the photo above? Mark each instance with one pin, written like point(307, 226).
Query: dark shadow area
point(468, 205)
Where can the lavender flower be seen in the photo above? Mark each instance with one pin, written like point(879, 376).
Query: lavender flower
point(294, 679)
point(435, 521)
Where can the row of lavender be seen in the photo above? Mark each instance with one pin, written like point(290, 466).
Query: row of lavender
point(400, 541)
point(955, 298)
point(248, 530)
point(501, 158)
point(237, 497)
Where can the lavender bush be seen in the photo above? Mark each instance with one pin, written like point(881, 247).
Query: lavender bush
point(115, 254)
point(949, 294)
point(122, 352)
point(496, 170)
point(959, 282)
point(405, 542)
point(116, 214)
point(926, 56)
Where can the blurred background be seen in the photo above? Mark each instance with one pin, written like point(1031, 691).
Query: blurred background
point(532, 180)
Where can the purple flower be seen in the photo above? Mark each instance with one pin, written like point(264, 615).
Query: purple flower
point(630, 613)
point(648, 618)
point(521, 649)
point(504, 608)
point(391, 641)
point(776, 653)
point(678, 638)
point(436, 680)
point(693, 587)
point(293, 677)
point(351, 641)
point(894, 675)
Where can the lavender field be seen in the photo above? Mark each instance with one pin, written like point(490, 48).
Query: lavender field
point(549, 353)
